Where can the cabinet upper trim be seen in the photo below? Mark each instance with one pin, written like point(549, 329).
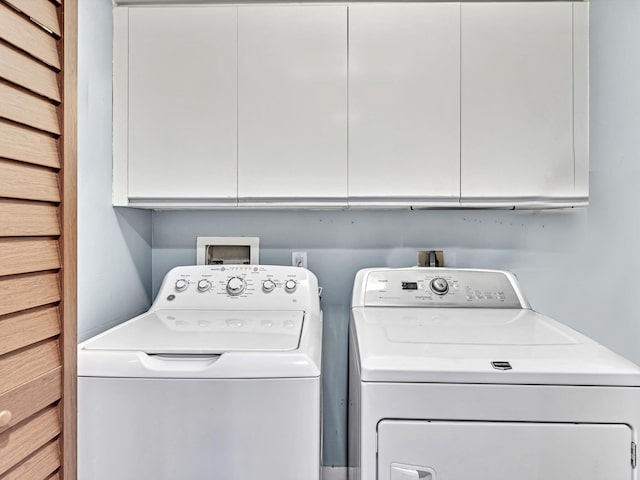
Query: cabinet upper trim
point(312, 2)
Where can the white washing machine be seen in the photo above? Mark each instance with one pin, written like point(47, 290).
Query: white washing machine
point(219, 380)
point(454, 377)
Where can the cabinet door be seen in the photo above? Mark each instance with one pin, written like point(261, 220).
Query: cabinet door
point(517, 102)
point(182, 103)
point(404, 103)
point(292, 104)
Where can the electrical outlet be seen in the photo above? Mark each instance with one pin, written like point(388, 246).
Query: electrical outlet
point(299, 259)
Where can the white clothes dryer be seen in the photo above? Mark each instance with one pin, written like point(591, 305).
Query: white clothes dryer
point(453, 376)
point(220, 379)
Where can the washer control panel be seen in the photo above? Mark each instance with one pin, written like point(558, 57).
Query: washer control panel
point(237, 286)
point(439, 287)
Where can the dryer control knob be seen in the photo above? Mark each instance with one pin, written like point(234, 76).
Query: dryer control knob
point(204, 285)
point(290, 286)
point(181, 285)
point(235, 286)
point(439, 286)
point(268, 286)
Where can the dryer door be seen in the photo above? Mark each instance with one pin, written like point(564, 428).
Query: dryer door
point(503, 451)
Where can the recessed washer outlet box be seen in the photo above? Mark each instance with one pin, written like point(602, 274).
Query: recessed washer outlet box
point(228, 250)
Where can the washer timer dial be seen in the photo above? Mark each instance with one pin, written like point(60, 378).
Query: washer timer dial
point(439, 286)
point(235, 286)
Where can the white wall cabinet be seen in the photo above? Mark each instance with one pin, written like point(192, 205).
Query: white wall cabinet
point(518, 104)
point(481, 104)
point(292, 104)
point(178, 93)
point(404, 104)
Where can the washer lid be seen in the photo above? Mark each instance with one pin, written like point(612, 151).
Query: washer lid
point(204, 332)
point(451, 345)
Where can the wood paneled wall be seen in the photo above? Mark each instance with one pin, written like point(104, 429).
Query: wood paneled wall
point(38, 42)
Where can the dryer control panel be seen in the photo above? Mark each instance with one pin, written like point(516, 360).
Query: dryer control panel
point(247, 287)
point(437, 287)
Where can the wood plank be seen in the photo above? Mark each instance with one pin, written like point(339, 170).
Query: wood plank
point(55, 476)
point(27, 36)
point(27, 364)
point(26, 328)
point(39, 465)
point(25, 255)
point(69, 305)
point(21, 441)
point(28, 109)
point(28, 219)
point(31, 182)
point(42, 11)
point(21, 292)
point(31, 397)
point(18, 68)
point(25, 145)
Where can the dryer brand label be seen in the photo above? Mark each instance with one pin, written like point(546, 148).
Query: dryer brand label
point(501, 365)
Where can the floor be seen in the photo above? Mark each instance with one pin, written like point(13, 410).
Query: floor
point(334, 473)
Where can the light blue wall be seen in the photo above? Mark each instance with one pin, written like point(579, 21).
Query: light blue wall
point(114, 246)
point(579, 266)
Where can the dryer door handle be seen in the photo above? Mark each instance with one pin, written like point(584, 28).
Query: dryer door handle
point(411, 472)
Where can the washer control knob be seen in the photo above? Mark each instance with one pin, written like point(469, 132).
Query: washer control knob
point(290, 286)
point(204, 285)
point(235, 286)
point(181, 285)
point(268, 286)
point(439, 286)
